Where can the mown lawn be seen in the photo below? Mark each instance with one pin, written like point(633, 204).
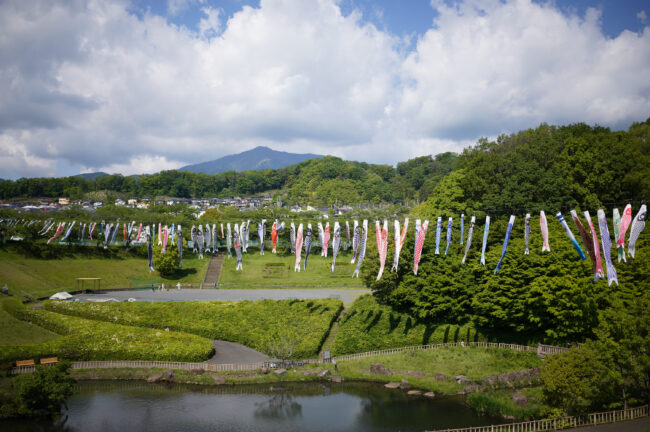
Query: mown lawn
point(474, 363)
point(274, 271)
point(38, 278)
point(369, 326)
point(16, 332)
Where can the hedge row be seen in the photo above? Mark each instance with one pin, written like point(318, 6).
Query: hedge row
point(84, 339)
point(252, 323)
point(369, 326)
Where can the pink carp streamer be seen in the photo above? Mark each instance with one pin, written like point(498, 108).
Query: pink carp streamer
point(399, 242)
point(419, 242)
point(638, 224)
point(165, 237)
point(326, 239)
point(617, 228)
point(382, 246)
point(298, 248)
point(625, 224)
point(543, 224)
point(607, 247)
point(598, 267)
point(58, 232)
point(139, 232)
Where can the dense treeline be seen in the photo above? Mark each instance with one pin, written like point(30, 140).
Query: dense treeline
point(316, 181)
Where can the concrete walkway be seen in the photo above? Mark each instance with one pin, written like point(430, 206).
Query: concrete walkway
point(230, 352)
point(639, 425)
point(347, 295)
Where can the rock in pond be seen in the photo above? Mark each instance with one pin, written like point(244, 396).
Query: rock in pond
point(392, 385)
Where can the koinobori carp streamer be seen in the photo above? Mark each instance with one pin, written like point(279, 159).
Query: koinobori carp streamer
point(598, 264)
point(486, 231)
point(419, 243)
point(607, 247)
point(569, 234)
point(382, 245)
point(543, 225)
point(362, 247)
point(470, 233)
point(617, 228)
point(449, 228)
point(297, 246)
point(638, 224)
point(336, 244)
point(399, 242)
point(526, 234)
point(506, 240)
point(438, 232)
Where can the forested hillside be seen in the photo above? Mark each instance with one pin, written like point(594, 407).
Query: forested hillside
point(543, 295)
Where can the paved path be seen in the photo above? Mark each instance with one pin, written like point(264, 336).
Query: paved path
point(347, 295)
point(639, 425)
point(230, 352)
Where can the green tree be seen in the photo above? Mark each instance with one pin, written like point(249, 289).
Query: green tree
point(166, 263)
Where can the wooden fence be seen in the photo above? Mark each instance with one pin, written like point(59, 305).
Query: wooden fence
point(540, 350)
point(561, 423)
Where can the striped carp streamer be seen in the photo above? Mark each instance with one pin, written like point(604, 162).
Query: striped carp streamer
point(418, 225)
point(321, 239)
point(438, 230)
point(165, 238)
point(247, 236)
point(638, 224)
point(569, 234)
point(506, 240)
point(382, 246)
point(607, 247)
point(347, 235)
point(297, 246)
point(419, 243)
point(200, 240)
point(598, 266)
point(215, 244)
point(108, 234)
point(543, 225)
point(527, 234)
point(274, 236)
point(149, 239)
point(238, 252)
point(626, 219)
point(470, 233)
point(326, 239)
point(207, 237)
point(229, 238)
point(486, 231)
point(222, 236)
point(137, 238)
point(261, 230)
point(587, 241)
point(308, 242)
point(362, 247)
point(617, 228)
point(160, 236)
point(399, 242)
point(462, 228)
point(336, 244)
point(68, 231)
point(356, 240)
point(124, 231)
point(449, 227)
point(179, 245)
point(292, 237)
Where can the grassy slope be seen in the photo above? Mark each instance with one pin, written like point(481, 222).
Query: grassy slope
point(257, 274)
point(474, 363)
point(44, 277)
point(16, 332)
point(370, 326)
point(255, 324)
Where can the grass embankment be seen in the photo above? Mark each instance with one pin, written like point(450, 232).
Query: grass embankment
point(369, 326)
point(16, 332)
point(84, 339)
point(420, 367)
point(275, 271)
point(255, 324)
point(499, 402)
point(38, 277)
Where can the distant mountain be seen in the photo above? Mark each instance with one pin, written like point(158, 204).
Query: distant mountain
point(92, 176)
point(257, 158)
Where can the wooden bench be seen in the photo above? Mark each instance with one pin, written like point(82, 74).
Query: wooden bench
point(25, 363)
point(49, 360)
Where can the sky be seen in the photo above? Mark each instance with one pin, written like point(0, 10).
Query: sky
point(135, 86)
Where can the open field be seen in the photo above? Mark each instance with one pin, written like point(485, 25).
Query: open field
point(274, 271)
point(38, 278)
point(16, 332)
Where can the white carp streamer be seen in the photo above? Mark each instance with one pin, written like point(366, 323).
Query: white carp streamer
point(419, 243)
point(638, 224)
point(399, 242)
point(470, 233)
point(486, 231)
point(382, 245)
point(296, 268)
point(607, 247)
point(543, 225)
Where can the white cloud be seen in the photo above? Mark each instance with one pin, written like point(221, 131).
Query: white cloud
point(87, 83)
point(641, 15)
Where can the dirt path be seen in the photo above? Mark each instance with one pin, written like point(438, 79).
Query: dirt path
point(230, 352)
point(327, 346)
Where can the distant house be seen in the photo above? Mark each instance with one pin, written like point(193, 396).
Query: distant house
point(120, 202)
point(132, 201)
point(98, 204)
point(64, 201)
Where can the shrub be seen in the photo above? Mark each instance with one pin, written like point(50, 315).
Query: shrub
point(166, 263)
point(84, 339)
point(254, 324)
point(370, 326)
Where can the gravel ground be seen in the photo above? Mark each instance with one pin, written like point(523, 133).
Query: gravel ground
point(230, 352)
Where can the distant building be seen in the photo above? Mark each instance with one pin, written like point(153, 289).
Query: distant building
point(132, 201)
point(120, 202)
point(64, 201)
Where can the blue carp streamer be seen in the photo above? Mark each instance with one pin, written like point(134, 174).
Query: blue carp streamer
point(505, 243)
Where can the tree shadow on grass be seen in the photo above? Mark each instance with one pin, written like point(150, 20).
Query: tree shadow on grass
point(428, 331)
point(374, 321)
point(393, 322)
point(181, 273)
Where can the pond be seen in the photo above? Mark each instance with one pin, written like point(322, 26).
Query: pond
point(353, 406)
